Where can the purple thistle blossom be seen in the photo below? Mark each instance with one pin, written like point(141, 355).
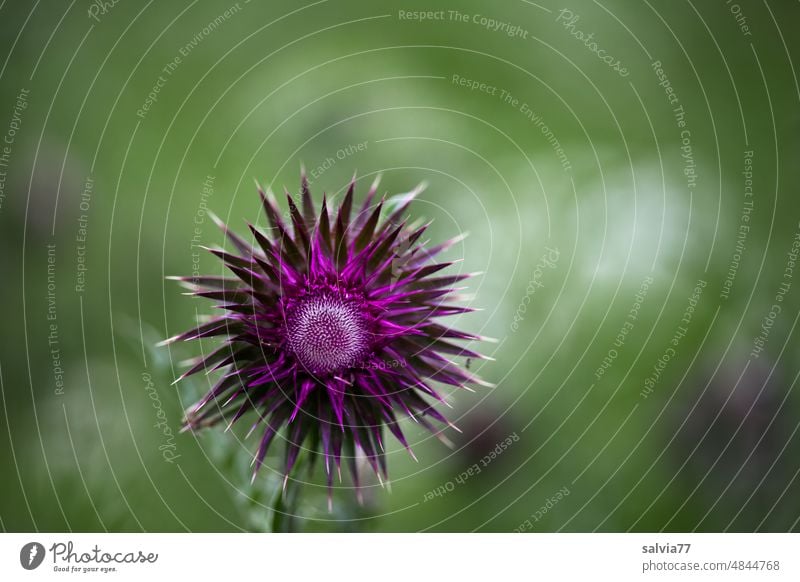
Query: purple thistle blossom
point(330, 331)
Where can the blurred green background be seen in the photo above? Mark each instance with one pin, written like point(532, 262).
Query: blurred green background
point(118, 114)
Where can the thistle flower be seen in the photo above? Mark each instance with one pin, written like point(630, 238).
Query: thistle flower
point(330, 331)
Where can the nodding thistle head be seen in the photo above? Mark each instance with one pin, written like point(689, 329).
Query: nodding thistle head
point(331, 331)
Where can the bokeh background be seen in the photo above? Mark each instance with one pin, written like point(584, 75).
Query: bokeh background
point(588, 188)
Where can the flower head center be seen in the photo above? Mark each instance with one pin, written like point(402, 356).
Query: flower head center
point(327, 332)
